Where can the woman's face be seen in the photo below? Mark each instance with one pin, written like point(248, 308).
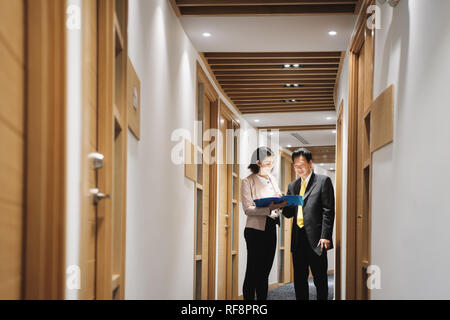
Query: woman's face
point(266, 166)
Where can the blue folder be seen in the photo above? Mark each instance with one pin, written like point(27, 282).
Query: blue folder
point(292, 201)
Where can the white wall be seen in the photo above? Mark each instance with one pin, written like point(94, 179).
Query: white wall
point(410, 176)
point(160, 200)
point(160, 206)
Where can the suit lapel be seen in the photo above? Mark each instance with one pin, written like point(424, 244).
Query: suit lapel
point(297, 186)
point(311, 184)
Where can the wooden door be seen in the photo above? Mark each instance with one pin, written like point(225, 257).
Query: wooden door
point(89, 179)
point(363, 175)
point(229, 194)
point(12, 147)
point(103, 179)
point(361, 60)
point(205, 194)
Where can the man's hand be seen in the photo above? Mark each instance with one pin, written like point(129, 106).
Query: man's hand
point(275, 206)
point(324, 243)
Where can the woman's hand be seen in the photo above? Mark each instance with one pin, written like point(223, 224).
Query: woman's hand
point(276, 206)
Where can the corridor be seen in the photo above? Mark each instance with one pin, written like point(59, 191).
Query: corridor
point(129, 132)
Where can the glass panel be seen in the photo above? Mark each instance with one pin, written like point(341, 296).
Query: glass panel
point(235, 188)
point(282, 170)
point(233, 271)
point(233, 230)
point(199, 212)
point(235, 149)
point(199, 166)
point(198, 280)
point(200, 101)
point(281, 267)
point(281, 231)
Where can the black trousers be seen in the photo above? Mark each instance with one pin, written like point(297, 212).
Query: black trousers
point(303, 257)
point(261, 246)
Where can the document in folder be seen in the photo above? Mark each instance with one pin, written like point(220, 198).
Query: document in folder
point(292, 201)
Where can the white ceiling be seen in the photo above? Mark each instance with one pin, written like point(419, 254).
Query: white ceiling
point(269, 34)
point(290, 119)
point(315, 138)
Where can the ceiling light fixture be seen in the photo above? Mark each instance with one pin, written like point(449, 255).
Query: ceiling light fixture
point(207, 34)
point(288, 85)
point(332, 33)
point(291, 66)
point(256, 120)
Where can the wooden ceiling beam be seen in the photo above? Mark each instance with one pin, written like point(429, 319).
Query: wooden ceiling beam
point(279, 62)
point(277, 110)
point(264, 10)
point(300, 128)
point(279, 72)
point(280, 97)
point(303, 101)
point(272, 55)
point(201, 3)
point(276, 67)
point(267, 77)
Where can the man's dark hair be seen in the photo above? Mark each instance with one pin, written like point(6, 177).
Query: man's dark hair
point(259, 154)
point(302, 152)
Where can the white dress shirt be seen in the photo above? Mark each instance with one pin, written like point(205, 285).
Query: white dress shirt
point(274, 213)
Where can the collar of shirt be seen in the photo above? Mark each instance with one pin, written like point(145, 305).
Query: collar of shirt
point(308, 178)
point(265, 180)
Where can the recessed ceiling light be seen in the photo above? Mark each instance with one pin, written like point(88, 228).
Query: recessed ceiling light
point(206, 34)
point(287, 85)
point(332, 33)
point(296, 84)
point(329, 118)
point(296, 65)
point(288, 146)
point(287, 65)
point(256, 120)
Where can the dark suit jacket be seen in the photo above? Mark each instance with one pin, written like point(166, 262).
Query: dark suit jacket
point(318, 211)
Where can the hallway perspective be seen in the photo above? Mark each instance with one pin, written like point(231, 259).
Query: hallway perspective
point(224, 150)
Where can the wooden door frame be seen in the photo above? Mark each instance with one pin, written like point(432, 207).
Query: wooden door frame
point(45, 194)
point(226, 113)
point(213, 98)
point(338, 244)
point(362, 36)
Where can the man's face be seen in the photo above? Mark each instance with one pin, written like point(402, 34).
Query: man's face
point(302, 167)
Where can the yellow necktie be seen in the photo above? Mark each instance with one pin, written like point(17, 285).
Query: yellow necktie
point(300, 208)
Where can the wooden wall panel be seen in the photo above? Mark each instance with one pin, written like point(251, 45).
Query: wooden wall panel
point(12, 144)
point(382, 120)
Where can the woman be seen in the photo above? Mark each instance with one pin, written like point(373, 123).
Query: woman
point(260, 231)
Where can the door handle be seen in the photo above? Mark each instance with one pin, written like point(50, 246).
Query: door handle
point(97, 196)
point(97, 160)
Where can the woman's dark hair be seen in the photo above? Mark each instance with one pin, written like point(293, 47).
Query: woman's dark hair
point(302, 152)
point(259, 154)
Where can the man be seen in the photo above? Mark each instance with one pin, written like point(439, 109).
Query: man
point(312, 228)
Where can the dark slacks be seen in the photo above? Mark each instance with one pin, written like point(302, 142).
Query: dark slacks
point(261, 246)
point(303, 257)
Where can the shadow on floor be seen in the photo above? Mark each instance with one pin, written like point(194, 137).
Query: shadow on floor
point(287, 291)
